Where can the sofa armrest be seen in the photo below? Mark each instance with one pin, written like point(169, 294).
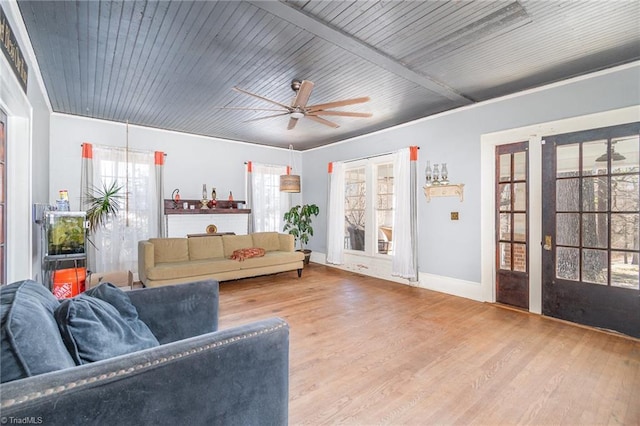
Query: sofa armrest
point(234, 376)
point(176, 312)
point(146, 259)
point(287, 242)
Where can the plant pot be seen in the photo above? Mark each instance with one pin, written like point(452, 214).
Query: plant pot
point(307, 255)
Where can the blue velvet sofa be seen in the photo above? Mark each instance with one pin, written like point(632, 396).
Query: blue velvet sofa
point(194, 375)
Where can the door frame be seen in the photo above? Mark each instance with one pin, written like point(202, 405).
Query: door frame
point(533, 134)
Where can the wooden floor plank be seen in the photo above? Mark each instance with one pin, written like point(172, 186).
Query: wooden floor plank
point(368, 351)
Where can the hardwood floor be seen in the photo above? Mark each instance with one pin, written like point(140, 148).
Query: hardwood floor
point(368, 351)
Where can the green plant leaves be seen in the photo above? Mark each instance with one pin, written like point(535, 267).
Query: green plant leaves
point(103, 202)
point(298, 222)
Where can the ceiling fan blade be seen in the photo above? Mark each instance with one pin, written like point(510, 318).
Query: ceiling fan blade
point(322, 121)
point(267, 116)
point(252, 109)
point(292, 123)
point(237, 89)
point(342, 113)
point(304, 92)
point(313, 108)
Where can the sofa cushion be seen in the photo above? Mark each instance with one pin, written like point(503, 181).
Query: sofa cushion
point(194, 268)
point(170, 249)
point(236, 242)
point(31, 343)
point(205, 248)
point(272, 258)
point(102, 323)
point(266, 240)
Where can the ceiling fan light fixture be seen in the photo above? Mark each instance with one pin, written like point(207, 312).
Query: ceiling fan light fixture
point(297, 114)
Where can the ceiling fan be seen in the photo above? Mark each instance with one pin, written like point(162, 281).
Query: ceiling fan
point(299, 108)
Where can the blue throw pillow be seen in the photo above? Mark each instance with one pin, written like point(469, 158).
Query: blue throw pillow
point(102, 323)
point(30, 341)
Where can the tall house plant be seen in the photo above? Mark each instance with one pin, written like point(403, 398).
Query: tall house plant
point(102, 204)
point(298, 223)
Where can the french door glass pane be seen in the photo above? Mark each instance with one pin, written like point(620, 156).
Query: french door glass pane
point(505, 168)
point(624, 193)
point(520, 257)
point(520, 165)
point(594, 266)
point(519, 227)
point(568, 263)
point(505, 196)
point(505, 256)
point(595, 230)
point(629, 149)
point(624, 231)
point(595, 194)
point(520, 196)
point(505, 226)
point(568, 160)
point(594, 158)
point(624, 270)
point(568, 195)
point(568, 229)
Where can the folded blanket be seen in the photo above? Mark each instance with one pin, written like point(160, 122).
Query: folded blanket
point(246, 253)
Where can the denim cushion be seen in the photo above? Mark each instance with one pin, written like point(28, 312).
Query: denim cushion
point(102, 323)
point(30, 343)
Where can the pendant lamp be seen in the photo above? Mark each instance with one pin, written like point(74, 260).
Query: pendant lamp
point(290, 182)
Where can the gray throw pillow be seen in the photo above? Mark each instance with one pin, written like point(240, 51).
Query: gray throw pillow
point(31, 343)
point(102, 323)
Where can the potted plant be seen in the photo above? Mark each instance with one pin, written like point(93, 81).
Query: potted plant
point(298, 223)
point(102, 203)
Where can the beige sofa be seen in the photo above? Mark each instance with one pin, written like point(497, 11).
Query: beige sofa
point(163, 261)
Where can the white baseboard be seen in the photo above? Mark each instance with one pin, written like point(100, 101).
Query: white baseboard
point(381, 268)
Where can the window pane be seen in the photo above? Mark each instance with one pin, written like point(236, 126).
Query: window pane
point(594, 158)
point(384, 208)
point(594, 266)
point(519, 227)
point(505, 167)
point(354, 208)
point(568, 229)
point(520, 196)
point(505, 196)
point(595, 230)
point(520, 257)
point(520, 165)
point(628, 148)
point(595, 194)
point(624, 231)
point(624, 269)
point(505, 226)
point(568, 160)
point(505, 256)
point(567, 195)
point(567, 263)
point(624, 193)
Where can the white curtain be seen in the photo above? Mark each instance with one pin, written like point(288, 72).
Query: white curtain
point(404, 263)
point(268, 205)
point(116, 243)
point(335, 225)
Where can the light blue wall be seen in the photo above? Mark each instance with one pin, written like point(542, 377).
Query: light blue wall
point(452, 248)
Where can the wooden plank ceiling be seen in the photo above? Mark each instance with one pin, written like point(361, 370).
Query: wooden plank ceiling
point(172, 64)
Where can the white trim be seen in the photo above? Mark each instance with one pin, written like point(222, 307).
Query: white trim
point(374, 267)
point(534, 135)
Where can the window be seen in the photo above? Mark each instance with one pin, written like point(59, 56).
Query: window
point(268, 204)
point(368, 226)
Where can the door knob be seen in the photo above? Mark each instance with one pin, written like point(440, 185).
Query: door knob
point(547, 242)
